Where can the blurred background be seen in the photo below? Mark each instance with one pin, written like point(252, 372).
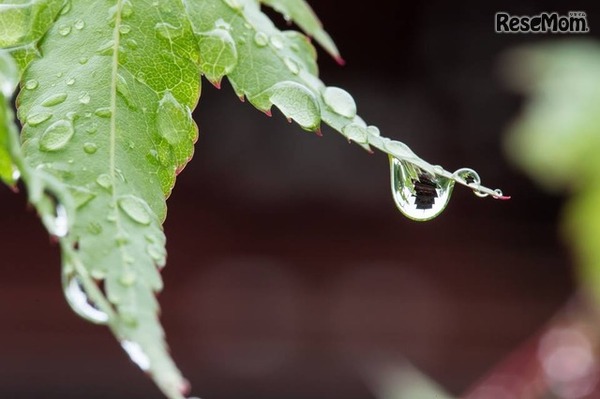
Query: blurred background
point(291, 274)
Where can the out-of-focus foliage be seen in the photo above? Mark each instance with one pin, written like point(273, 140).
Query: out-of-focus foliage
point(557, 137)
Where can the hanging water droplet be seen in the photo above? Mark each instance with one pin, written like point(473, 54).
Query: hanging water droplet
point(356, 133)
point(40, 117)
point(84, 97)
point(261, 39)
point(471, 178)
point(418, 195)
point(292, 65)
point(136, 354)
point(136, 209)
point(54, 100)
point(64, 30)
point(104, 112)
point(277, 41)
point(296, 101)
point(105, 181)
point(31, 84)
point(80, 302)
point(168, 31)
point(90, 148)
point(79, 25)
point(56, 136)
point(173, 121)
point(340, 101)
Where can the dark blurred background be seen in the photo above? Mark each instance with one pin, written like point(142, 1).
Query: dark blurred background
point(291, 274)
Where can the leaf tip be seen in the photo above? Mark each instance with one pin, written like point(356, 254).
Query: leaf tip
point(340, 61)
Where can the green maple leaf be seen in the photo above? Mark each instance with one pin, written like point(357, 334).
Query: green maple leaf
point(107, 90)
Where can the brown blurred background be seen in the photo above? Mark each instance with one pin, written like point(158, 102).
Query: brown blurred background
point(291, 274)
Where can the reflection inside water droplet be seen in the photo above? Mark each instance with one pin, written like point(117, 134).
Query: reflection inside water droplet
point(79, 301)
point(136, 354)
point(418, 195)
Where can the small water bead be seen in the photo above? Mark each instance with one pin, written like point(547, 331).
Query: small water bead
point(105, 181)
point(79, 25)
point(373, 131)
point(128, 278)
point(71, 82)
point(107, 48)
point(261, 39)
point(64, 30)
point(340, 101)
point(418, 195)
point(56, 136)
point(90, 148)
point(83, 60)
point(131, 43)
point(168, 31)
point(80, 302)
point(136, 209)
point(292, 65)
point(31, 84)
point(123, 90)
point(84, 97)
point(121, 239)
point(126, 9)
point(124, 29)
point(471, 178)
point(54, 100)
point(40, 117)
point(104, 112)
point(277, 41)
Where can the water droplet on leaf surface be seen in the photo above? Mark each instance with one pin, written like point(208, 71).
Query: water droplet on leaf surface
point(31, 84)
point(64, 30)
point(261, 39)
point(173, 120)
point(136, 209)
point(340, 101)
point(36, 119)
point(297, 102)
point(418, 195)
point(56, 136)
point(80, 302)
point(54, 99)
